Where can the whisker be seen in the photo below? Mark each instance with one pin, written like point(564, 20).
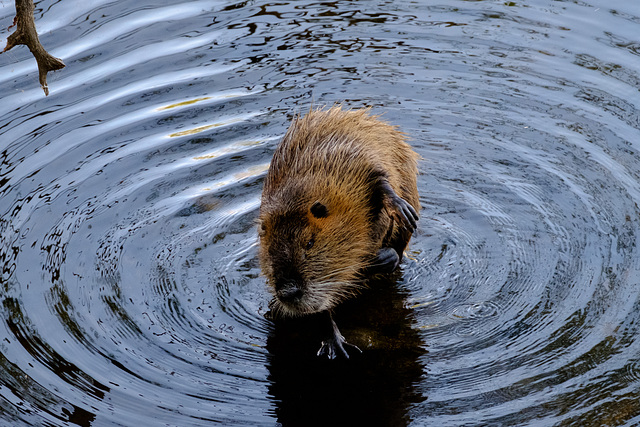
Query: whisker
point(348, 269)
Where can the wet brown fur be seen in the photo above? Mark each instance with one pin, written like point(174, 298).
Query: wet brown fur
point(332, 156)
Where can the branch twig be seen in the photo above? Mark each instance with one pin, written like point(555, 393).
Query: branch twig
point(26, 34)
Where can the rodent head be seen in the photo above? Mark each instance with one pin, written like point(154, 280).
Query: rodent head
point(312, 250)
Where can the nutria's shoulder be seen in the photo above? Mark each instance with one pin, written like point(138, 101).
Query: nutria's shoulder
point(335, 143)
point(336, 128)
point(322, 127)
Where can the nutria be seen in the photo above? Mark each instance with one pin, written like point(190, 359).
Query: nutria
point(339, 202)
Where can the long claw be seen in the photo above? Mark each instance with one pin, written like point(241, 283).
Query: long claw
point(405, 213)
point(334, 346)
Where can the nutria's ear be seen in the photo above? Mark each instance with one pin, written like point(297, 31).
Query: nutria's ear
point(261, 227)
point(319, 210)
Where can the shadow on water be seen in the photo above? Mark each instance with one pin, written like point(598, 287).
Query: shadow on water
point(376, 387)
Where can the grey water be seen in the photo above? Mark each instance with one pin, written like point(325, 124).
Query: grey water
point(130, 289)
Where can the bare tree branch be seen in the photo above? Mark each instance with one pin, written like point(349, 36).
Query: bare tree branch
point(26, 34)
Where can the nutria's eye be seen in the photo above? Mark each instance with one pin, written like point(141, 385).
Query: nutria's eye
point(319, 210)
point(310, 244)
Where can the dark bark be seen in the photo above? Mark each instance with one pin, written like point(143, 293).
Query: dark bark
point(26, 34)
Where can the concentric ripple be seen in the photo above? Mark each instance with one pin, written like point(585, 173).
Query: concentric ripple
point(130, 289)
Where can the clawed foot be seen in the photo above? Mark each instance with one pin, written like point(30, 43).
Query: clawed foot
point(406, 214)
point(386, 261)
point(335, 345)
point(400, 208)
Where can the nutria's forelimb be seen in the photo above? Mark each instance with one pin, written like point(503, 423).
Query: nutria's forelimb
point(398, 207)
point(386, 261)
point(334, 344)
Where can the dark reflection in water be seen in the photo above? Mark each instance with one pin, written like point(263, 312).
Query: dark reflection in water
point(376, 387)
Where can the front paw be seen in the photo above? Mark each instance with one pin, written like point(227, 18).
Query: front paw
point(335, 347)
point(405, 213)
point(386, 261)
point(398, 207)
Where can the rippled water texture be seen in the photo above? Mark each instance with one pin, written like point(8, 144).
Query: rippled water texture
point(130, 290)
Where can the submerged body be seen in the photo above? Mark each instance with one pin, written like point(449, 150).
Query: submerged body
point(340, 200)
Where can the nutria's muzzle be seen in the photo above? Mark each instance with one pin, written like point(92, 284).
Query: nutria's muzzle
point(289, 293)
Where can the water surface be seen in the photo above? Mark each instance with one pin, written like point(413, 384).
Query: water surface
point(130, 288)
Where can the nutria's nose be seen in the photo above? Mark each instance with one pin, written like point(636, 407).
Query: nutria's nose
point(289, 293)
